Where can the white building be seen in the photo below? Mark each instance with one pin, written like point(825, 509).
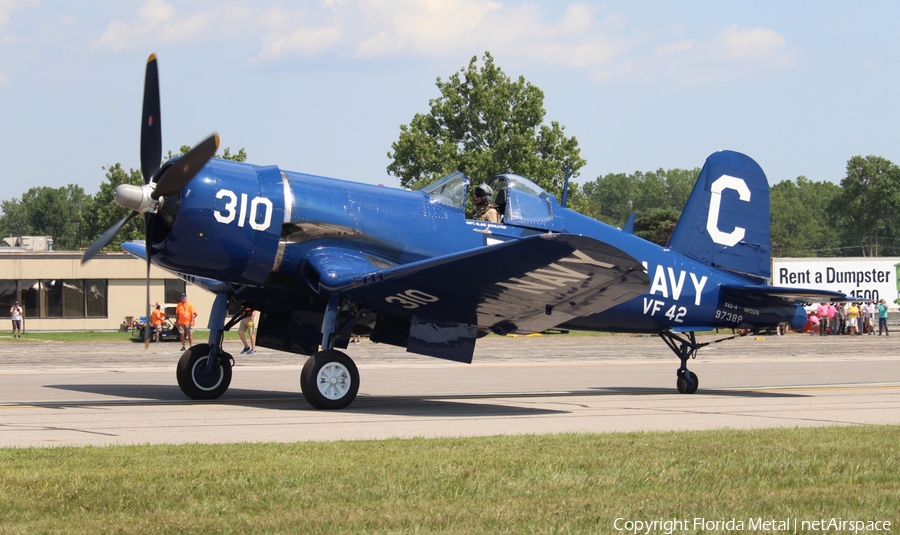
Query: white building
point(58, 293)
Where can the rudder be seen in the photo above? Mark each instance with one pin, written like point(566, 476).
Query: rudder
point(726, 221)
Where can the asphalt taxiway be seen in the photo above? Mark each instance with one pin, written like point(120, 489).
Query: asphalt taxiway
point(119, 393)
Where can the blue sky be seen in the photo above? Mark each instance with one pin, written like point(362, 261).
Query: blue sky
point(323, 87)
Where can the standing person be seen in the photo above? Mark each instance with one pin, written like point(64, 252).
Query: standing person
point(156, 320)
point(832, 318)
point(882, 318)
point(185, 316)
point(246, 329)
point(852, 317)
point(822, 312)
point(870, 316)
point(18, 316)
point(484, 211)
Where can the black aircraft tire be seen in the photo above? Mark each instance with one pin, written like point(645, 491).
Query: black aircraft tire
point(329, 380)
point(688, 382)
point(193, 378)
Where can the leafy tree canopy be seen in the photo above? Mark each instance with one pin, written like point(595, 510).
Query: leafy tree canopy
point(868, 203)
point(802, 222)
point(44, 211)
point(484, 124)
point(612, 198)
point(656, 224)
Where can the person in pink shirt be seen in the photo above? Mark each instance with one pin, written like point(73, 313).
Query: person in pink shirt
point(832, 319)
point(822, 312)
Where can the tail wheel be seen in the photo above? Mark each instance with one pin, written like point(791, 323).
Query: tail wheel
point(194, 377)
point(329, 380)
point(687, 382)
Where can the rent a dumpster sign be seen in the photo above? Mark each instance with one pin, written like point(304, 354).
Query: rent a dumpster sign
point(868, 279)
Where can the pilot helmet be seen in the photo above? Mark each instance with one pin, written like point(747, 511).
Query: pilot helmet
point(483, 190)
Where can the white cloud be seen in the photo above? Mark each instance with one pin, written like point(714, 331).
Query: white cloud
point(582, 36)
point(8, 6)
point(422, 28)
point(67, 20)
point(295, 32)
point(674, 48)
point(750, 44)
point(733, 52)
point(158, 22)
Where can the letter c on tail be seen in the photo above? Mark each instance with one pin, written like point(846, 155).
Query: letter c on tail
point(722, 183)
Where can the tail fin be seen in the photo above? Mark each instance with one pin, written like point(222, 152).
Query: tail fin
point(726, 221)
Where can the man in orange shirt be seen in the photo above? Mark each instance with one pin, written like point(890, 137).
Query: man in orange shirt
point(185, 315)
point(156, 320)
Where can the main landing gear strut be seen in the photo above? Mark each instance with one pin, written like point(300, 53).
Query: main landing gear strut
point(204, 370)
point(329, 379)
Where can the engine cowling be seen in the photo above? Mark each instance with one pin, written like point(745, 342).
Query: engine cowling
point(226, 224)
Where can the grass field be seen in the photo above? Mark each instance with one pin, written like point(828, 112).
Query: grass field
point(573, 483)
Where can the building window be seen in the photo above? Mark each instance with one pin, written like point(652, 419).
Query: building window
point(8, 294)
point(51, 298)
point(30, 298)
point(174, 289)
point(55, 298)
point(73, 298)
point(95, 297)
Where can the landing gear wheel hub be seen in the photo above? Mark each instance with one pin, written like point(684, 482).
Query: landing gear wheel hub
point(333, 380)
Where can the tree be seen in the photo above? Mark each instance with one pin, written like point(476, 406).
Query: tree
point(612, 198)
point(656, 225)
point(102, 212)
point(802, 222)
point(868, 205)
point(484, 124)
point(240, 156)
point(44, 211)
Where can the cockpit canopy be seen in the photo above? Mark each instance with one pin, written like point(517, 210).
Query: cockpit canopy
point(522, 202)
point(519, 200)
point(449, 191)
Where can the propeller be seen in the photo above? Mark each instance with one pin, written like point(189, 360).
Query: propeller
point(158, 182)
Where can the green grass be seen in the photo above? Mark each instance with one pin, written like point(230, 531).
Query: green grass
point(572, 483)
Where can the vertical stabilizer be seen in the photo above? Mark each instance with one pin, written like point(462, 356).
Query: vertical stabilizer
point(726, 221)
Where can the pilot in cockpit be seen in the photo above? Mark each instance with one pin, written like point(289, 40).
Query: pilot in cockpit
point(484, 210)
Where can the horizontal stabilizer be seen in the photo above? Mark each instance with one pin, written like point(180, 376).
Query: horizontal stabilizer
point(779, 295)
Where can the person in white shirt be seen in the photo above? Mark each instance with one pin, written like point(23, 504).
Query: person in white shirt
point(17, 315)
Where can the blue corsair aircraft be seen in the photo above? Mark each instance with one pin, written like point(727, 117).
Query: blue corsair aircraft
point(321, 257)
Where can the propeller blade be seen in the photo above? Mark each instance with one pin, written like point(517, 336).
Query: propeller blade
point(178, 175)
point(151, 132)
point(105, 238)
point(147, 223)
